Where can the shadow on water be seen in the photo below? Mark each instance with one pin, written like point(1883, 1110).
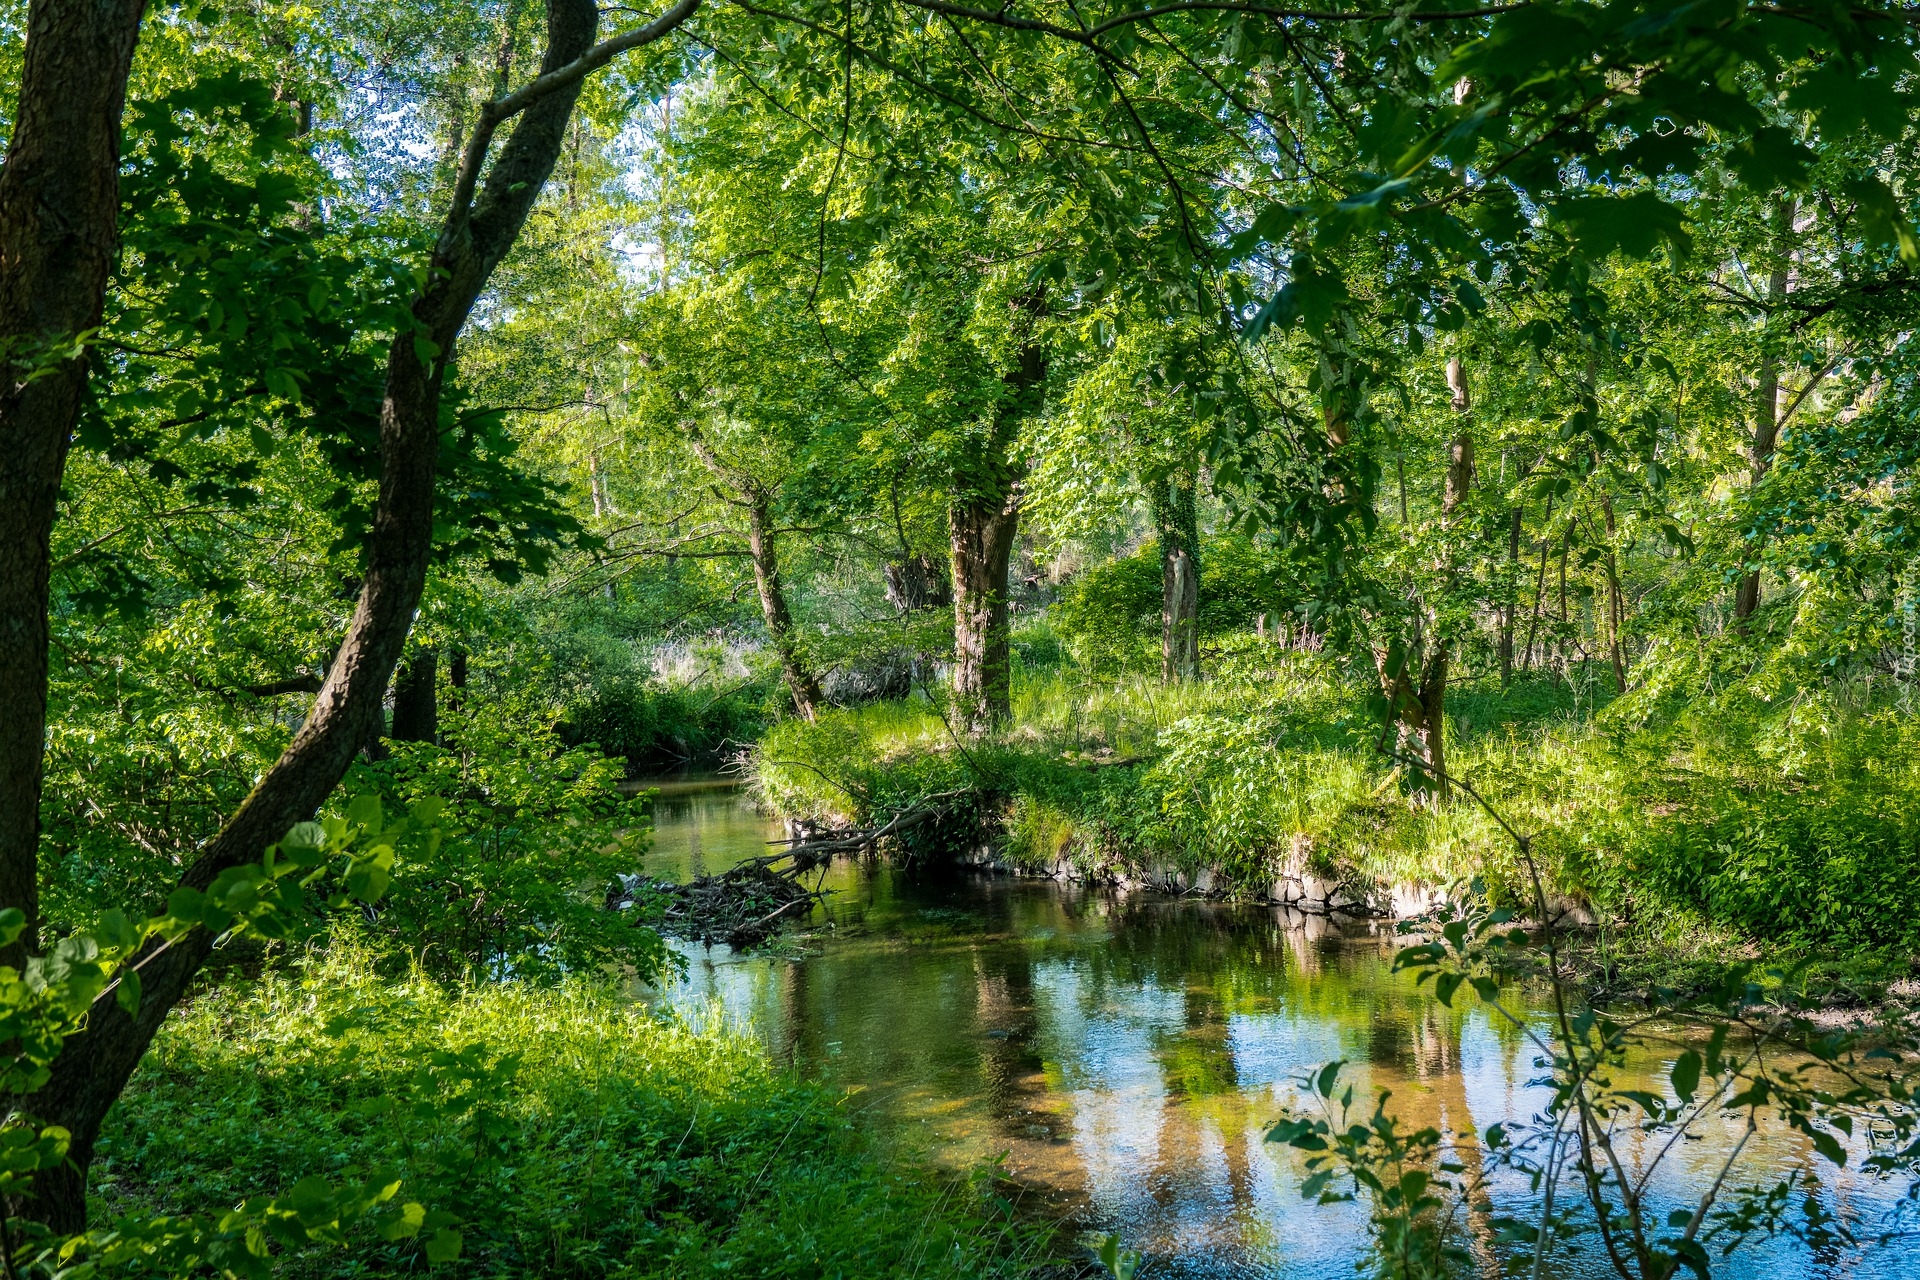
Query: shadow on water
point(1126, 1053)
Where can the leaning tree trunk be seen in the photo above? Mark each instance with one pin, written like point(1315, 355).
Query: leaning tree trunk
point(1177, 522)
point(982, 539)
point(59, 220)
point(95, 1064)
point(801, 682)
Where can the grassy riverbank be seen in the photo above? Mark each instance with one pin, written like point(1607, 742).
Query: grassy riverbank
point(570, 1133)
point(1796, 823)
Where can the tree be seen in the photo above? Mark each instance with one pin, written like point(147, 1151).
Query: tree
point(72, 97)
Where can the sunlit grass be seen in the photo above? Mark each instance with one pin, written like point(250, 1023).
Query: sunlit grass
point(571, 1131)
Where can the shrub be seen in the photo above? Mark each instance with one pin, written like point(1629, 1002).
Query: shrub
point(534, 838)
point(572, 1132)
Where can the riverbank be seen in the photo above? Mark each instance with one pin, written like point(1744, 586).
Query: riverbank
point(1706, 829)
point(565, 1130)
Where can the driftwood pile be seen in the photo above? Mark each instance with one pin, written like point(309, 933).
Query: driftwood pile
point(745, 905)
point(741, 906)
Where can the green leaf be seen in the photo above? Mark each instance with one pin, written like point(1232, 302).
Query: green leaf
point(406, 1224)
point(1881, 216)
point(443, 1246)
point(1634, 225)
point(127, 994)
point(1686, 1075)
point(1328, 1074)
point(364, 811)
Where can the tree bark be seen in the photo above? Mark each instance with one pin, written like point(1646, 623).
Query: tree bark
point(1176, 520)
point(801, 682)
point(95, 1064)
point(416, 714)
point(981, 528)
point(1766, 400)
point(1539, 586)
point(915, 581)
point(59, 227)
point(982, 542)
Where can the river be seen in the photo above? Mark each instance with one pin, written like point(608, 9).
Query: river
point(1124, 1054)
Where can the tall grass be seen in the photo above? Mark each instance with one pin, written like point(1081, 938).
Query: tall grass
point(1788, 822)
point(572, 1132)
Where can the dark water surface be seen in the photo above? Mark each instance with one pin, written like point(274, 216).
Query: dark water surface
point(1125, 1053)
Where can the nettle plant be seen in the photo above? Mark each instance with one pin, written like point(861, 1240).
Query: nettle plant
point(1751, 1051)
point(342, 861)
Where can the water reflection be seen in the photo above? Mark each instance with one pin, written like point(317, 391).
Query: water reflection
point(1127, 1053)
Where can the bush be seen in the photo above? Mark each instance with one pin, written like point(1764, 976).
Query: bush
point(651, 724)
point(1109, 616)
point(534, 838)
point(572, 1132)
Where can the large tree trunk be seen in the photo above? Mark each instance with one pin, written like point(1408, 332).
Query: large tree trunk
point(59, 223)
point(95, 1064)
point(982, 541)
point(1766, 399)
point(801, 682)
point(981, 527)
point(1175, 517)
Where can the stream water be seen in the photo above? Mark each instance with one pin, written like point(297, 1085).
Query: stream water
point(1124, 1054)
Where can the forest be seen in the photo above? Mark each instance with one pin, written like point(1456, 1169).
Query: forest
point(856, 638)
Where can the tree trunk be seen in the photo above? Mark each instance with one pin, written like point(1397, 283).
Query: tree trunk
point(1616, 603)
point(1175, 517)
point(1509, 615)
point(981, 527)
point(801, 682)
point(916, 582)
point(95, 1064)
point(1766, 401)
point(1539, 586)
point(59, 225)
point(982, 541)
point(416, 714)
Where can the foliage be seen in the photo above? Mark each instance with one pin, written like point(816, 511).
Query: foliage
point(536, 838)
point(1748, 1046)
point(572, 1131)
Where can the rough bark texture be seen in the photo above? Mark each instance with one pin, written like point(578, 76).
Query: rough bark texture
point(801, 682)
point(981, 528)
point(416, 714)
point(59, 217)
point(1766, 400)
point(917, 582)
point(982, 540)
point(94, 1066)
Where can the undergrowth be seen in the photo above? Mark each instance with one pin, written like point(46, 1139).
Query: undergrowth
point(1793, 824)
point(572, 1133)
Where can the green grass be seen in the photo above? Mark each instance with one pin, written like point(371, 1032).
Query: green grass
point(1714, 825)
point(573, 1133)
